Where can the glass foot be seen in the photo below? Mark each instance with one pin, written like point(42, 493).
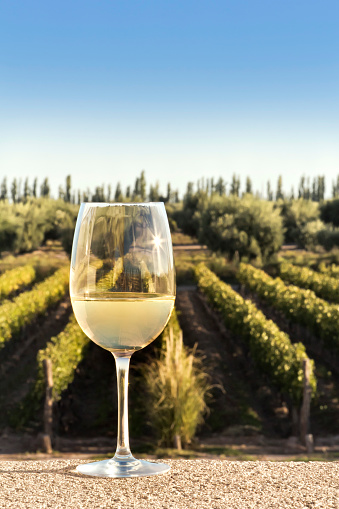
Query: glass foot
point(123, 468)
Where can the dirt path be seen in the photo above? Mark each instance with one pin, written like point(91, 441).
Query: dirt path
point(246, 403)
point(189, 247)
point(18, 358)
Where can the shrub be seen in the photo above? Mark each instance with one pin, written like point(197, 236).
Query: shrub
point(301, 222)
point(329, 212)
point(328, 238)
point(26, 226)
point(246, 225)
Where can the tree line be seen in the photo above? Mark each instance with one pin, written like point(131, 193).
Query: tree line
point(18, 193)
point(227, 219)
point(308, 189)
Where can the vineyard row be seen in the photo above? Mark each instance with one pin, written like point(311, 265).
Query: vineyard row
point(270, 348)
point(15, 279)
point(323, 285)
point(300, 305)
point(16, 314)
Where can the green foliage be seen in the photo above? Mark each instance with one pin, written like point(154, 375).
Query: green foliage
point(329, 212)
point(177, 387)
point(174, 211)
point(26, 226)
point(324, 286)
point(65, 351)
point(246, 225)
point(270, 348)
point(331, 270)
point(301, 222)
point(27, 306)
point(185, 216)
point(13, 280)
point(185, 262)
point(301, 306)
point(311, 233)
point(64, 225)
point(328, 238)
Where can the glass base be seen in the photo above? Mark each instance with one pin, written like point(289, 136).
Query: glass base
point(123, 468)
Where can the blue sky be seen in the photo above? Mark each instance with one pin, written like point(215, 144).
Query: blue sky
point(183, 89)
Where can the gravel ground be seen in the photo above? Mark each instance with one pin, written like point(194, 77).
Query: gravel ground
point(192, 484)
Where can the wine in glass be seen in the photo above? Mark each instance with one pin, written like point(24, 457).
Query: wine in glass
point(122, 287)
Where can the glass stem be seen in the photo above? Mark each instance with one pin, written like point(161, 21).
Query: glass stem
point(123, 451)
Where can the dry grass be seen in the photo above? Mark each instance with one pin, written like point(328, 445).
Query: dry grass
point(178, 387)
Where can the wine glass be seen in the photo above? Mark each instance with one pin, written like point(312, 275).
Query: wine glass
point(122, 288)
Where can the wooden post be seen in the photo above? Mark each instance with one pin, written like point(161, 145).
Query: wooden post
point(48, 408)
point(177, 442)
point(306, 439)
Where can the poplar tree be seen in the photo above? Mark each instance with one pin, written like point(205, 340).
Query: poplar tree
point(154, 192)
point(14, 190)
point(335, 188)
point(118, 193)
point(68, 189)
point(321, 188)
point(27, 191)
point(136, 191)
point(269, 191)
point(249, 189)
point(220, 187)
point(143, 186)
point(4, 192)
point(45, 189)
point(235, 185)
point(34, 189)
point(279, 194)
point(168, 197)
point(301, 190)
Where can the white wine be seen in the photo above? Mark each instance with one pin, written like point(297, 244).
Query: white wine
point(123, 321)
